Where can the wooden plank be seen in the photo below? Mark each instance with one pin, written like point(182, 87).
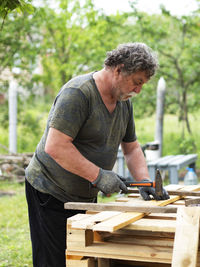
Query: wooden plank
point(186, 237)
point(125, 252)
point(154, 225)
point(119, 207)
point(103, 262)
point(80, 263)
point(179, 202)
point(118, 221)
point(191, 188)
point(72, 257)
point(79, 238)
point(162, 216)
point(192, 202)
point(173, 187)
point(162, 203)
point(89, 222)
point(126, 218)
point(172, 199)
point(140, 240)
point(133, 193)
point(119, 263)
point(77, 217)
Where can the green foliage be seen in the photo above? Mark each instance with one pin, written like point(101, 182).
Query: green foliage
point(176, 39)
point(3, 140)
point(187, 145)
point(7, 6)
point(19, 50)
point(74, 38)
point(4, 115)
point(31, 125)
point(75, 44)
point(66, 42)
point(144, 104)
point(172, 143)
point(15, 246)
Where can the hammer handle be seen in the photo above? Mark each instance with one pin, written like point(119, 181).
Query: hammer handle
point(133, 184)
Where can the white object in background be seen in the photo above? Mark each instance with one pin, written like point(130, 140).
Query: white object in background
point(160, 102)
point(13, 116)
point(152, 154)
point(152, 151)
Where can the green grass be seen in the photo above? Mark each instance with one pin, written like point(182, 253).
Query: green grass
point(15, 246)
point(173, 143)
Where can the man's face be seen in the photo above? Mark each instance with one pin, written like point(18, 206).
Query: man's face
point(126, 86)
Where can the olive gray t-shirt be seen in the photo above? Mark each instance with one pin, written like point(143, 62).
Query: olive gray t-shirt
point(79, 112)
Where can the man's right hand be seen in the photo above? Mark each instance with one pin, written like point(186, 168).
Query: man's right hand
point(109, 182)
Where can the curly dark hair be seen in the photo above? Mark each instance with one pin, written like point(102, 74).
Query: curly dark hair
point(135, 57)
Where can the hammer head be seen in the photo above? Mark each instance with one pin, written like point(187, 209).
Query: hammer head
point(158, 184)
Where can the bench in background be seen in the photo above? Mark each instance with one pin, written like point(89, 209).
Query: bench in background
point(172, 164)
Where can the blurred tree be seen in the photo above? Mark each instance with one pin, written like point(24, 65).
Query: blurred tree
point(177, 41)
point(75, 40)
point(74, 37)
point(65, 41)
point(20, 47)
point(6, 6)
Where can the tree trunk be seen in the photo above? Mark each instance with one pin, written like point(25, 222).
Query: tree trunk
point(185, 111)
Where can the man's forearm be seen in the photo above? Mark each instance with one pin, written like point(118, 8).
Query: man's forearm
point(137, 165)
point(62, 150)
point(135, 161)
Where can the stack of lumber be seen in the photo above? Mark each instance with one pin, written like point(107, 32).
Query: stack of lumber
point(131, 238)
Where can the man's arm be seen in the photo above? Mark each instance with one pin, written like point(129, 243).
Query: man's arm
point(135, 160)
point(60, 147)
point(136, 163)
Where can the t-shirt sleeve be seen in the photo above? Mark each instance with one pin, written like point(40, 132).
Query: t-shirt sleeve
point(70, 111)
point(130, 135)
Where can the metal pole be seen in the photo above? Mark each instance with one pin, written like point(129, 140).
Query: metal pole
point(160, 113)
point(13, 117)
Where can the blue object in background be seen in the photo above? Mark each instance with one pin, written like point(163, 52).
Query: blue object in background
point(190, 177)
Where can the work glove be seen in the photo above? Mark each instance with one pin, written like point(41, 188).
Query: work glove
point(109, 182)
point(145, 192)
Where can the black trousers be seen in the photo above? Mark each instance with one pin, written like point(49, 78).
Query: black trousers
point(47, 220)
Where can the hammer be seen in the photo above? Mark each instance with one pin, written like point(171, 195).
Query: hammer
point(157, 184)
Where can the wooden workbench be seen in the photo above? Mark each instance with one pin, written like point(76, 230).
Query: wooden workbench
point(117, 238)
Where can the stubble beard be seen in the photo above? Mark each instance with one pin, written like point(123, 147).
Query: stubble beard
point(125, 97)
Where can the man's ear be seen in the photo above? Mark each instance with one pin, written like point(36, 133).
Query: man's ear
point(118, 68)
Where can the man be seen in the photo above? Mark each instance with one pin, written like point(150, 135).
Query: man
point(90, 117)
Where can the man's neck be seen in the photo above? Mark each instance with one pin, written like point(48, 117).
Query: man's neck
point(103, 80)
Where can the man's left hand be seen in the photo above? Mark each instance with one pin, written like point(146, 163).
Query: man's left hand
point(146, 193)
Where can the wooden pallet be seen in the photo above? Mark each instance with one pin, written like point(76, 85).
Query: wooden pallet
point(119, 238)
